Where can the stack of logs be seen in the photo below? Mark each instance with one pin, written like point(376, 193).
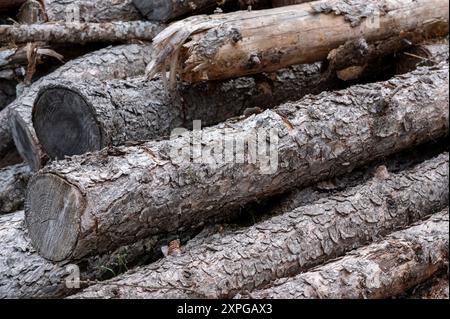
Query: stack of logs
point(99, 100)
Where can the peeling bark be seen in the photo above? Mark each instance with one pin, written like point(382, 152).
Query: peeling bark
point(381, 270)
point(118, 195)
point(91, 10)
point(25, 274)
point(13, 184)
point(112, 62)
point(235, 261)
point(229, 45)
point(80, 33)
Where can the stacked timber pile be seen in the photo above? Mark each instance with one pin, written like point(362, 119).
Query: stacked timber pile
point(224, 149)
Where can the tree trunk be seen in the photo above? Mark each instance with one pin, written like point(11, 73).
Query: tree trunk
point(25, 274)
point(114, 112)
point(27, 261)
point(10, 4)
point(113, 62)
point(80, 33)
point(13, 184)
point(381, 270)
point(236, 261)
point(229, 45)
point(91, 10)
point(136, 109)
point(299, 143)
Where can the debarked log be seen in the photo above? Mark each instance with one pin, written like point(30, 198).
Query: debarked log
point(382, 270)
point(13, 184)
point(88, 204)
point(229, 45)
point(112, 62)
point(235, 261)
point(80, 33)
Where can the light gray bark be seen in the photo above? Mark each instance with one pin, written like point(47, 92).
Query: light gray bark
point(381, 270)
point(111, 113)
point(235, 261)
point(25, 274)
point(91, 10)
point(13, 184)
point(119, 195)
point(80, 33)
point(112, 62)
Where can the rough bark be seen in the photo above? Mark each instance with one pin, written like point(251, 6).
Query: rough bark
point(25, 274)
point(27, 261)
point(111, 113)
point(91, 10)
point(112, 62)
point(381, 270)
point(229, 45)
point(170, 9)
point(114, 112)
point(9, 4)
point(80, 33)
point(13, 184)
point(235, 261)
point(120, 194)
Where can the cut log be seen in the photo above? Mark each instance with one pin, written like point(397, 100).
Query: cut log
point(113, 62)
point(25, 274)
point(10, 4)
point(236, 261)
point(73, 118)
point(32, 11)
point(91, 10)
point(229, 45)
point(80, 33)
point(381, 270)
point(13, 184)
point(109, 114)
point(306, 141)
point(170, 9)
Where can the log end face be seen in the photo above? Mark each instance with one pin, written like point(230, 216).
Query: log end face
point(155, 10)
point(52, 215)
point(65, 123)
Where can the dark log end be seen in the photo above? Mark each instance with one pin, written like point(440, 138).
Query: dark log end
point(65, 123)
point(24, 141)
point(52, 216)
point(159, 10)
